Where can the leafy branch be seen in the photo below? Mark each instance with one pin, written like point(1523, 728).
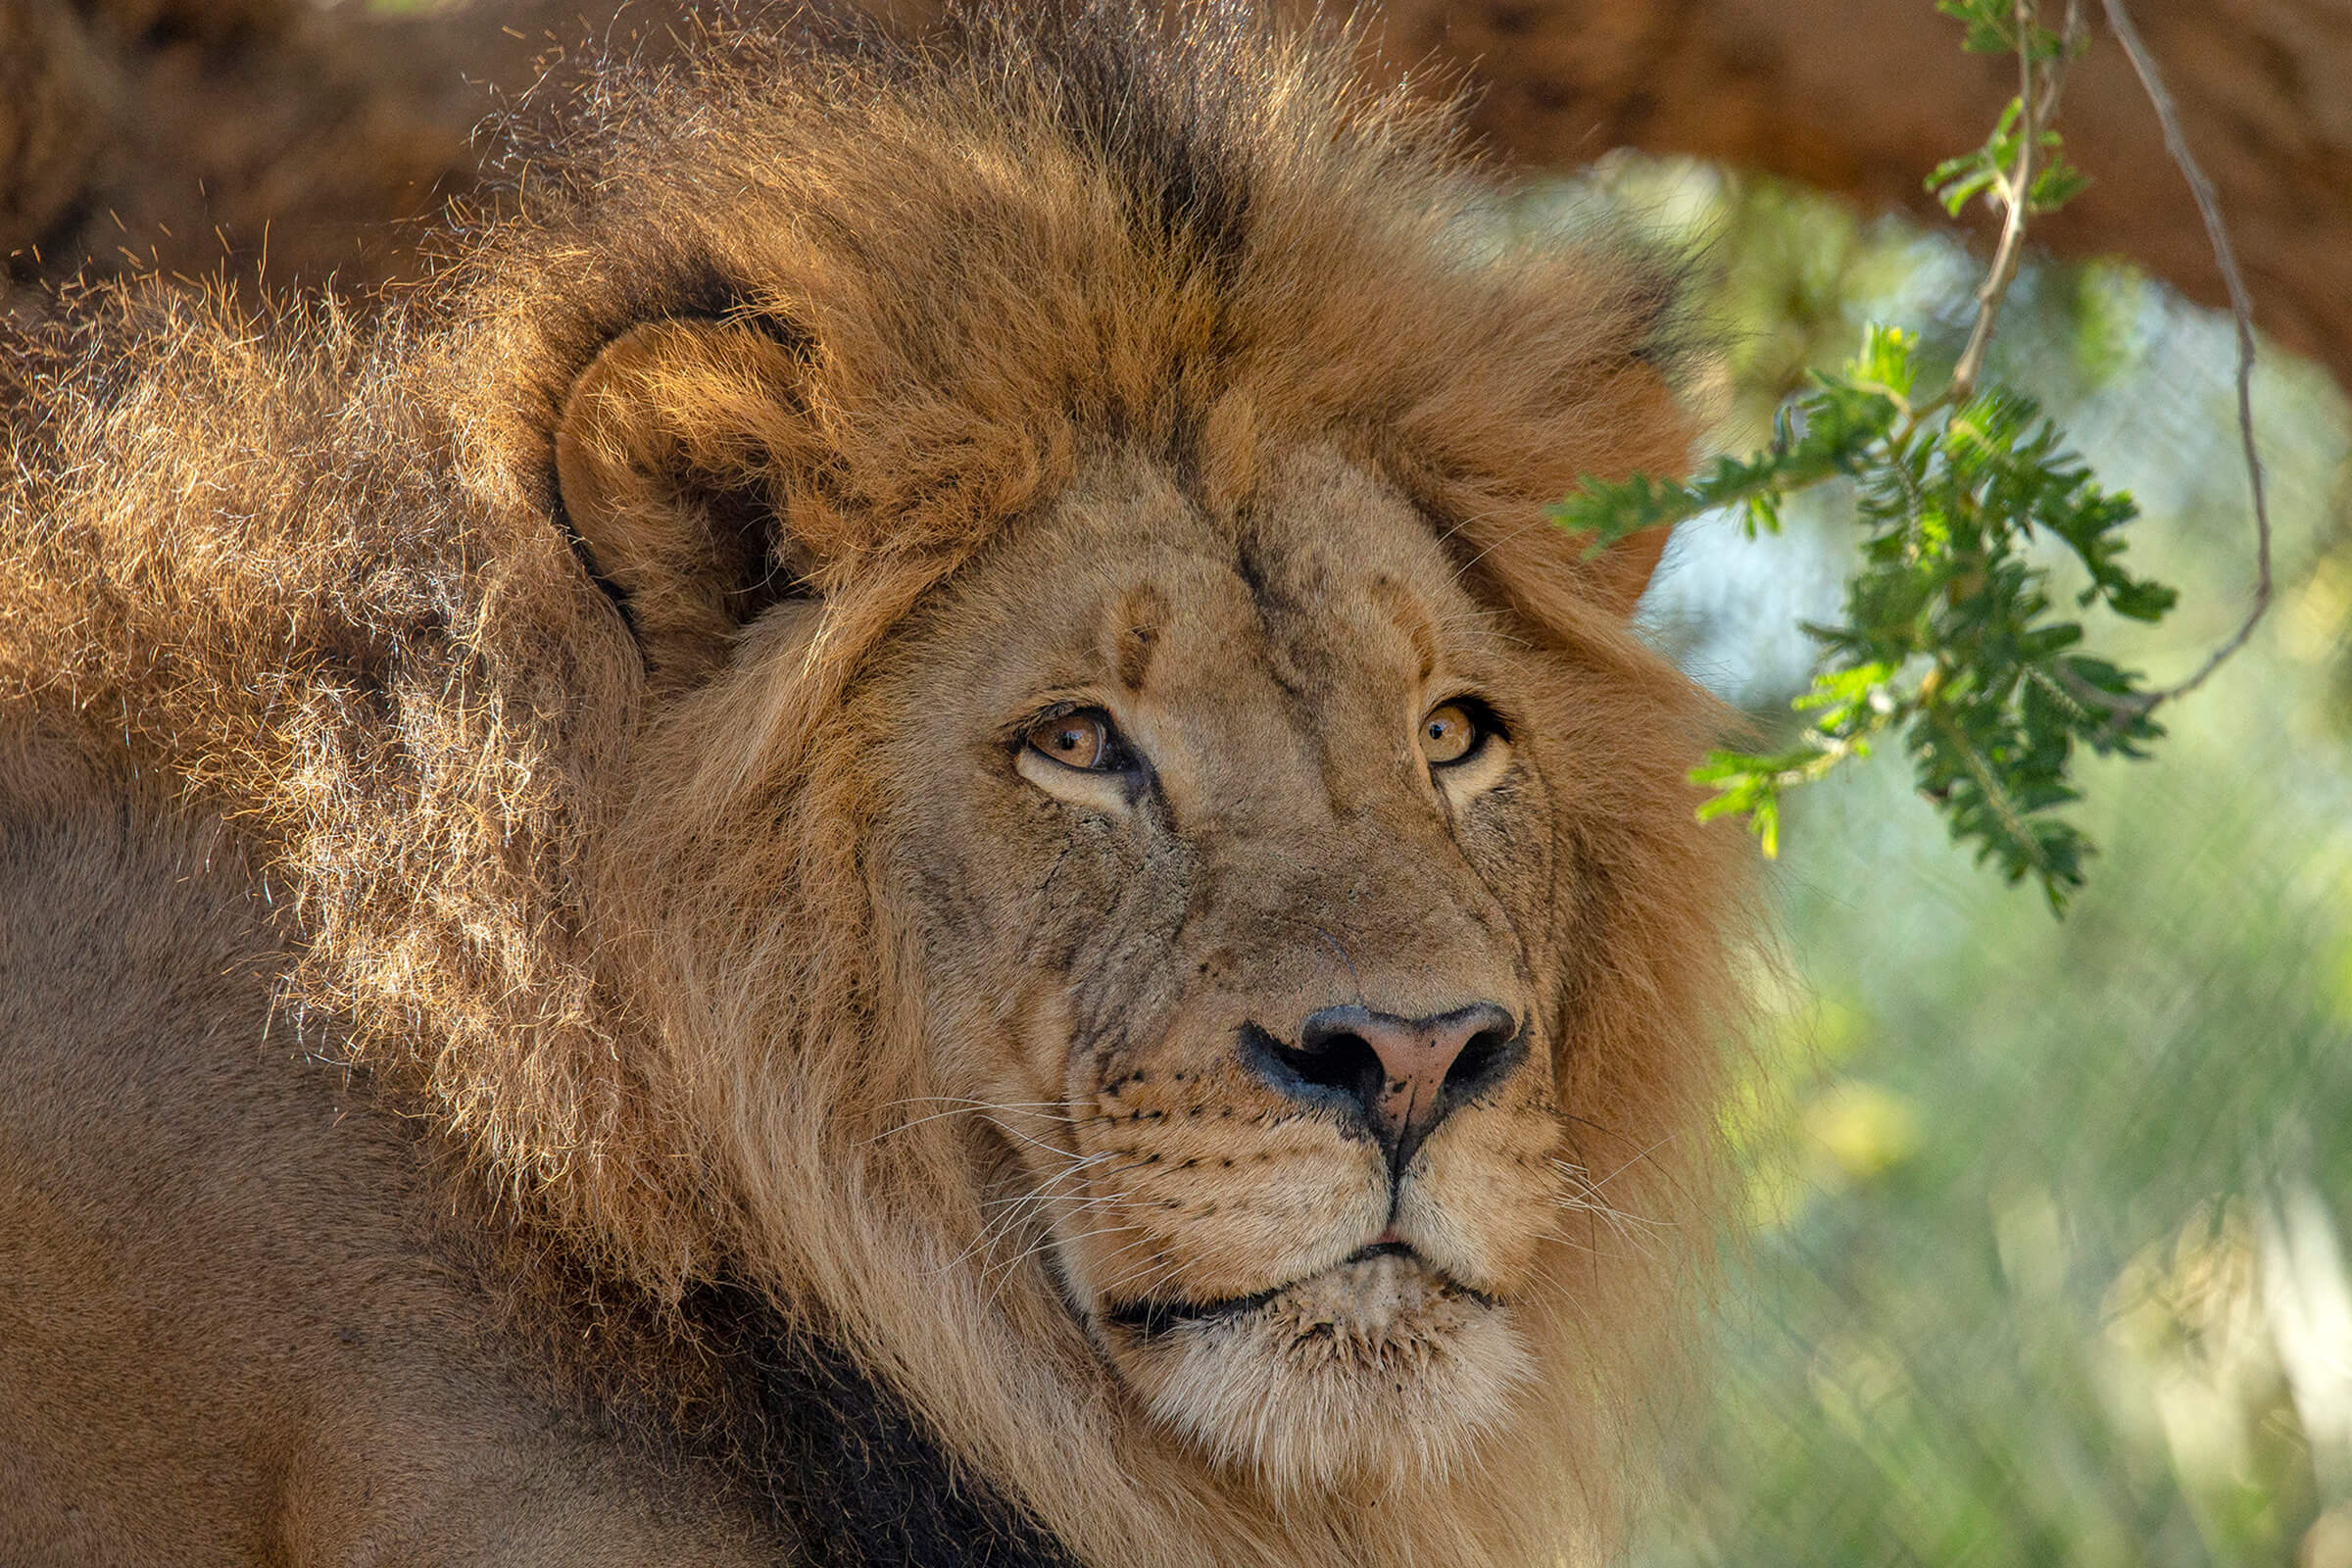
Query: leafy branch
point(1950, 637)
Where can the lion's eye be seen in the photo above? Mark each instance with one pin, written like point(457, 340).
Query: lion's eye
point(1083, 740)
point(1450, 733)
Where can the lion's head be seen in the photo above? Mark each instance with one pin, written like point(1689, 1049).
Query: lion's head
point(1235, 848)
point(938, 681)
point(1159, 848)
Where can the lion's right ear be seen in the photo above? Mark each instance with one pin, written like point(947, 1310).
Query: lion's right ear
point(673, 456)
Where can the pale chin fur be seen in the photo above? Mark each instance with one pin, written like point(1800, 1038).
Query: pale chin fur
point(1375, 1372)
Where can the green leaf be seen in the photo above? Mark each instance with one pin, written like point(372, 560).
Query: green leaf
point(1948, 635)
point(1886, 359)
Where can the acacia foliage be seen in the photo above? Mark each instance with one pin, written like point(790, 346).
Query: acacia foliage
point(1953, 639)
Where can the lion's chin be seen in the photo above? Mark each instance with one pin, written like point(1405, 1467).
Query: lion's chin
point(1378, 1370)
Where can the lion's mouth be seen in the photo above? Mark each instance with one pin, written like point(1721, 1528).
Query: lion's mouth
point(1369, 1287)
point(1382, 1362)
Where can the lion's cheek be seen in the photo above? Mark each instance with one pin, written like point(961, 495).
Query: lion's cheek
point(1196, 1229)
point(1481, 1204)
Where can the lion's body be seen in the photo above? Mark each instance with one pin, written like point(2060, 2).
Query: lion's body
point(239, 1321)
point(556, 1010)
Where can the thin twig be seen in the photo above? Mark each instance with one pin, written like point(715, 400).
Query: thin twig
point(2128, 710)
point(2069, 44)
point(2015, 196)
point(2241, 307)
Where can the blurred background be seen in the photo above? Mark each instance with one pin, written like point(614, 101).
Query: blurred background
point(2045, 1259)
point(2047, 1256)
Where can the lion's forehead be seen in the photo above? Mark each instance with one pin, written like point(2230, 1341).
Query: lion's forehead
point(1269, 665)
point(1325, 584)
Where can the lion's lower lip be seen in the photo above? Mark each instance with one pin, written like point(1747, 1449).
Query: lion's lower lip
point(1379, 1248)
point(1150, 1320)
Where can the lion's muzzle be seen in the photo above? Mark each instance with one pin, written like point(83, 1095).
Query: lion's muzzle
point(1391, 1079)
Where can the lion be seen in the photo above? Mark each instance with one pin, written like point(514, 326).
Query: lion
point(896, 838)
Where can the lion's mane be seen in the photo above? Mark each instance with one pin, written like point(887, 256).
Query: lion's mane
point(307, 575)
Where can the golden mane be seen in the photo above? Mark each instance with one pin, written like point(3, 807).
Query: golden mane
point(311, 573)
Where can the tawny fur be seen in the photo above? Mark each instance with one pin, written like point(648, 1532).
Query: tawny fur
point(597, 893)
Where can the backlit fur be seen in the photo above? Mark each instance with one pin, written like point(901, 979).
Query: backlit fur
point(671, 946)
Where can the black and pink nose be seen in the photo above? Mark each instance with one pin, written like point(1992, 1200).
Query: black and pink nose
point(1392, 1078)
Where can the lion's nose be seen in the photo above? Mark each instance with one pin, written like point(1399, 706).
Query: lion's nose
point(1399, 1076)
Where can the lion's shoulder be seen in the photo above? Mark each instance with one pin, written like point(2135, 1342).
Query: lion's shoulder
point(207, 1213)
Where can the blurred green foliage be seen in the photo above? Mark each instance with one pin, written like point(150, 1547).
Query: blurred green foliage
point(2045, 1257)
point(1950, 638)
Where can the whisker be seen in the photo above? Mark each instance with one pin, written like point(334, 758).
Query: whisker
point(1622, 1222)
point(1038, 1108)
point(1631, 1163)
point(1147, 1277)
point(1018, 1206)
point(1007, 1267)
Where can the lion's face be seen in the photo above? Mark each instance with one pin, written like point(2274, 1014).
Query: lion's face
point(1228, 852)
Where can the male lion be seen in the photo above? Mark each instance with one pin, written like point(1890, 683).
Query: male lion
point(897, 839)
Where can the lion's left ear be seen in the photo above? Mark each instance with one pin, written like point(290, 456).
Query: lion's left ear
point(673, 455)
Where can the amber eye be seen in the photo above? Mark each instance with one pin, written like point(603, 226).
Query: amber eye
point(1082, 740)
point(1450, 733)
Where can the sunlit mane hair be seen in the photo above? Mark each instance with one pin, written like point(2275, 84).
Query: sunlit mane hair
point(620, 938)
